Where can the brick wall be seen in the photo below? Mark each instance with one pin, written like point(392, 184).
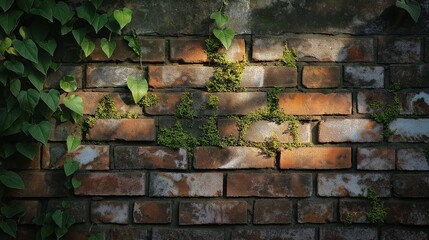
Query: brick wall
point(349, 56)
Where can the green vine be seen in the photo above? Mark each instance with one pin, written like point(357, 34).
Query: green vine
point(378, 212)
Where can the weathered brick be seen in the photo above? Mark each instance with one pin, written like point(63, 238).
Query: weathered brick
point(163, 184)
point(231, 158)
point(375, 159)
point(19, 162)
point(316, 158)
point(150, 157)
point(228, 128)
point(109, 212)
point(191, 126)
point(411, 185)
point(77, 208)
point(344, 233)
point(333, 49)
point(273, 234)
point(315, 211)
point(408, 213)
point(269, 211)
point(213, 212)
point(123, 129)
point(350, 130)
point(412, 159)
point(111, 183)
point(60, 131)
point(269, 185)
point(124, 102)
point(316, 103)
point(193, 51)
point(409, 130)
point(179, 76)
point(410, 76)
point(167, 104)
point(128, 232)
point(32, 210)
point(427, 50)
point(352, 184)
point(26, 233)
point(82, 234)
point(90, 157)
point(321, 76)
point(186, 234)
point(269, 76)
point(366, 98)
point(152, 212)
point(354, 211)
point(41, 184)
point(121, 53)
point(364, 76)
point(102, 76)
point(403, 234)
point(261, 131)
point(53, 79)
point(399, 50)
point(153, 50)
point(414, 103)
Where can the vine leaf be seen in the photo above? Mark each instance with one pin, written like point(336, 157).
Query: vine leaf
point(9, 21)
point(6, 4)
point(27, 49)
point(75, 182)
point(11, 180)
point(57, 217)
point(44, 63)
point(51, 99)
point(28, 99)
point(79, 34)
point(108, 47)
point(27, 150)
point(133, 42)
point(73, 142)
point(68, 84)
point(49, 46)
point(412, 7)
point(86, 11)
point(70, 166)
point(74, 103)
point(45, 9)
point(219, 18)
point(99, 22)
point(87, 46)
point(14, 66)
point(37, 79)
point(5, 44)
point(15, 86)
point(25, 5)
point(138, 88)
point(62, 13)
point(96, 3)
point(225, 36)
point(9, 227)
point(123, 17)
point(40, 131)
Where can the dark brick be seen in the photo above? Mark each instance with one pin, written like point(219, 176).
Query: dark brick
point(150, 157)
point(213, 212)
point(412, 159)
point(403, 234)
point(345, 233)
point(128, 232)
point(399, 50)
point(354, 211)
point(268, 211)
point(315, 211)
point(186, 234)
point(60, 131)
point(103, 76)
point(167, 104)
point(41, 184)
point(78, 209)
point(54, 78)
point(408, 213)
point(152, 212)
point(411, 185)
point(366, 98)
point(32, 210)
point(274, 234)
point(410, 76)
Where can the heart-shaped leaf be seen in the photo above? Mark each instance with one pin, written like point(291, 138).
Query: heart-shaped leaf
point(123, 17)
point(14, 66)
point(40, 131)
point(44, 11)
point(70, 166)
point(28, 150)
point(75, 182)
point(220, 18)
point(99, 22)
point(80, 34)
point(27, 49)
point(6, 4)
point(9, 227)
point(37, 79)
point(87, 46)
point(39, 30)
point(57, 217)
point(96, 3)
point(51, 99)
point(62, 12)
point(108, 47)
point(112, 24)
point(412, 7)
point(15, 86)
point(74, 103)
point(68, 83)
point(10, 210)
point(86, 11)
point(49, 46)
point(25, 5)
point(11, 180)
point(45, 61)
point(138, 88)
point(73, 142)
point(28, 100)
point(225, 36)
point(9, 21)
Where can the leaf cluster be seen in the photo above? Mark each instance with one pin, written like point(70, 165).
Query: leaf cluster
point(54, 224)
point(411, 6)
point(224, 34)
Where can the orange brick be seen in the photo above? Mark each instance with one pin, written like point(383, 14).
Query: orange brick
point(316, 158)
point(321, 76)
point(123, 129)
point(316, 103)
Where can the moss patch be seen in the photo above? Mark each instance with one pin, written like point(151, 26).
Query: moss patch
point(185, 108)
point(378, 212)
point(176, 137)
point(149, 100)
point(289, 58)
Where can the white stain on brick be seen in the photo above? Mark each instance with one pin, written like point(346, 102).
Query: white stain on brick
point(350, 130)
point(410, 130)
point(353, 185)
point(364, 76)
point(374, 159)
point(253, 76)
point(181, 163)
point(412, 159)
point(88, 154)
point(114, 212)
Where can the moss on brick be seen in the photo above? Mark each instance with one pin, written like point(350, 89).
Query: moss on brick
point(289, 58)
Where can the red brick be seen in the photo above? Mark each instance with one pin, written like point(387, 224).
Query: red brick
point(128, 232)
point(269, 185)
point(410, 75)
point(167, 104)
point(111, 183)
point(41, 184)
point(123, 129)
point(179, 76)
point(364, 76)
point(228, 128)
point(193, 51)
point(409, 130)
point(78, 208)
point(354, 211)
point(90, 157)
point(316, 103)
point(411, 185)
point(32, 210)
point(408, 213)
point(403, 234)
point(352, 184)
point(269, 76)
point(231, 158)
point(260, 131)
point(305, 233)
point(321, 76)
point(375, 159)
point(188, 234)
point(152, 212)
point(366, 98)
point(54, 78)
point(150, 157)
point(60, 131)
point(82, 234)
point(163, 184)
point(344, 233)
point(212, 212)
point(399, 50)
point(232, 103)
point(350, 130)
point(316, 158)
point(415, 103)
point(412, 159)
point(19, 162)
point(109, 212)
point(269, 211)
point(315, 211)
point(122, 52)
point(124, 102)
point(103, 76)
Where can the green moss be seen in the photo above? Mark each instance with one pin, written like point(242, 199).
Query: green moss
point(273, 98)
point(289, 58)
point(349, 219)
point(149, 100)
point(176, 137)
point(378, 212)
point(213, 101)
point(185, 109)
